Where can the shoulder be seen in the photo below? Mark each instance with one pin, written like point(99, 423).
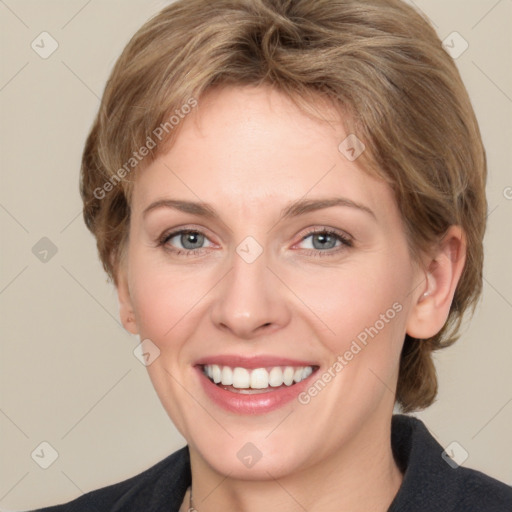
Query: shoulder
point(157, 488)
point(434, 482)
point(481, 492)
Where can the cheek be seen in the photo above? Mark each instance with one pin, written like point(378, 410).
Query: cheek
point(363, 317)
point(347, 301)
point(163, 298)
point(168, 306)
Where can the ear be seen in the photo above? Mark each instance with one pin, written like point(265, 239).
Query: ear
point(126, 310)
point(432, 301)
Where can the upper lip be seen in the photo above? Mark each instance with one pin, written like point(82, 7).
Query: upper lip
point(260, 361)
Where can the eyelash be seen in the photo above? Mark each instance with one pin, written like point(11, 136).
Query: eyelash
point(344, 239)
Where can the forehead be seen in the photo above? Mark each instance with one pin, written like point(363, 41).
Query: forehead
point(251, 146)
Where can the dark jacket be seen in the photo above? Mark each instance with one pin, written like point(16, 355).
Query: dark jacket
point(430, 484)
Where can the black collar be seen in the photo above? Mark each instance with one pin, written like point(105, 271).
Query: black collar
point(430, 484)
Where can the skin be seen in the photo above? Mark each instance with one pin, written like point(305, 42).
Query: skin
point(249, 152)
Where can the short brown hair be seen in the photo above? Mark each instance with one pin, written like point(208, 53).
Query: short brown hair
point(378, 60)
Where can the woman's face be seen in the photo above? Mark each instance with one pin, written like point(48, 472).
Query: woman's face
point(267, 271)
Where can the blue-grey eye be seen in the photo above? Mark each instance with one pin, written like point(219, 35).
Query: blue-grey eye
point(191, 240)
point(322, 240)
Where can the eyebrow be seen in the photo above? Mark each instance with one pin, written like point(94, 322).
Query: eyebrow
point(294, 209)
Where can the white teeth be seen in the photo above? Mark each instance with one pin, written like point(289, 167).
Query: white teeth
point(226, 376)
point(259, 378)
point(275, 378)
point(288, 375)
point(306, 372)
point(216, 374)
point(241, 378)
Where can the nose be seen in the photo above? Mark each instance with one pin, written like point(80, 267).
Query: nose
point(250, 300)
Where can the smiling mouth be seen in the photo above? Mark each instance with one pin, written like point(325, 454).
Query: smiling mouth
point(257, 380)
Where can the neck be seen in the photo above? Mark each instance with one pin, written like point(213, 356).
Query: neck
point(360, 476)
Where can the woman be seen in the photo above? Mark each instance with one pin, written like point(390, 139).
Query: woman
point(289, 197)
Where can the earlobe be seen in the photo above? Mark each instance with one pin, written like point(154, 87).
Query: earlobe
point(431, 304)
point(126, 310)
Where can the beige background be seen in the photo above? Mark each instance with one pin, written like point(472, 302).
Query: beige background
point(68, 374)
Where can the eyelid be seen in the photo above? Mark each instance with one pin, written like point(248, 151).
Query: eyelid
point(183, 229)
point(163, 240)
point(325, 229)
point(347, 241)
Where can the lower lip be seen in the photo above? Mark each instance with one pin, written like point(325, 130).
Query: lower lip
point(258, 403)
